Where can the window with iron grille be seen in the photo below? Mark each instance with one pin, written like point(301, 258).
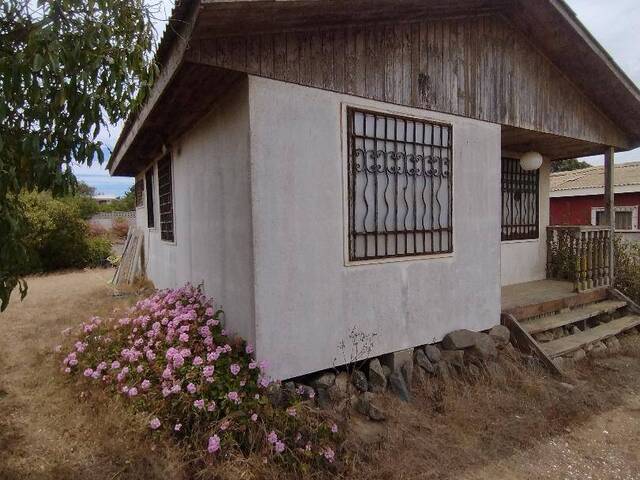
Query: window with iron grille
point(400, 192)
point(148, 180)
point(165, 194)
point(139, 192)
point(520, 201)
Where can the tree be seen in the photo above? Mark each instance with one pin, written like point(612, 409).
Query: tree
point(568, 164)
point(124, 203)
point(68, 68)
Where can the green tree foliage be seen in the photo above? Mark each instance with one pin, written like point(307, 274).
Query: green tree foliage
point(68, 68)
point(124, 203)
point(82, 199)
point(568, 164)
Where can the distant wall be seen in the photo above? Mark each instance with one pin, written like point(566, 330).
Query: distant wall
point(106, 219)
point(525, 260)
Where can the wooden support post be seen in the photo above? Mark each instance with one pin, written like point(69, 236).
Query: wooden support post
point(609, 207)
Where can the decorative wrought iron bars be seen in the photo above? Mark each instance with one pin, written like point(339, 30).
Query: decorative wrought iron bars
point(400, 186)
point(520, 201)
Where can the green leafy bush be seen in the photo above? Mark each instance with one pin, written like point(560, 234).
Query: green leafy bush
point(57, 237)
point(627, 268)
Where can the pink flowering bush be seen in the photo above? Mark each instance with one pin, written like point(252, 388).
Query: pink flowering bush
point(171, 358)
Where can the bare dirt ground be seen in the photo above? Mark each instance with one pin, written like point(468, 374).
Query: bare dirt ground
point(517, 424)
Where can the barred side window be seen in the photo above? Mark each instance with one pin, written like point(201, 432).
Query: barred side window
point(148, 185)
point(165, 194)
point(400, 191)
point(520, 201)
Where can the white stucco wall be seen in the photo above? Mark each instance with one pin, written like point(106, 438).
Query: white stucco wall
point(212, 213)
point(525, 260)
point(306, 299)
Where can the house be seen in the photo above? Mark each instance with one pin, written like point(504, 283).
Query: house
point(577, 198)
point(104, 199)
point(322, 165)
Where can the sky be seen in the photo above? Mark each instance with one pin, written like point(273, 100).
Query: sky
point(613, 23)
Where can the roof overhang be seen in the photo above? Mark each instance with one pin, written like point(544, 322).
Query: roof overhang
point(592, 191)
point(550, 24)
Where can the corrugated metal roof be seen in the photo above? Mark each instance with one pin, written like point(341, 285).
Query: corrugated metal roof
point(624, 174)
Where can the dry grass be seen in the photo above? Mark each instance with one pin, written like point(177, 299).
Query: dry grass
point(504, 425)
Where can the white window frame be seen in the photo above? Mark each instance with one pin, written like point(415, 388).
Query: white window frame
point(631, 208)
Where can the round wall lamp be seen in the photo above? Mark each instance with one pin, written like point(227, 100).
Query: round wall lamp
point(531, 161)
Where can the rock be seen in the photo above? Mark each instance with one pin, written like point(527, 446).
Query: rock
point(598, 349)
point(544, 336)
point(359, 380)
point(423, 362)
point(433, 353)
point(632, 331)
point(395, 360)
point(558, 333)
point(387, 371)
point(483, 350)
point(323, 398)
point(307, 391)
point(575, 330)
point(323, 380)
point(453, 358)
point(459, 339)
point(612, 344)
point(341, 383)
point(398, 386)
point(376, 413)
point(361, 403)
point(566, 386)
point(579, 355)
point(335, 393)
point(275, 394)
point(377, 378)
point(500, 335)
point(407, 373)
point(443, 371)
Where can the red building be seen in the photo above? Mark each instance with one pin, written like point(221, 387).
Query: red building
point(577, 197)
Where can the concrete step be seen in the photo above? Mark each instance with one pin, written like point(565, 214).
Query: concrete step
point(578, 314)
point(571, 343)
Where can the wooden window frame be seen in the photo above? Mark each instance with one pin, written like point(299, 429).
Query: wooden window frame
point(139, 192)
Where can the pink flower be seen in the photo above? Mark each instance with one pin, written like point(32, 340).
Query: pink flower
point(154, 424)
point(166, 374)
point(184, 338)
point(88, 372)
point(197, 361)
point(279, 446)
point(199, 404)
point(291, 411)
point(145, 384)
point(191, 388)
point(233, 396)
point(224, 425)
point(254, 417)
point(115, 365)
point(132, 392)
point(208, 371)
point(234, 368)
point(272, 437)
point(214, 444)
point(334, 428)
point(329, 454)
point(212, 406)
point(213, 356)
point(177, 427)
point(253, 365)
point(249, 348)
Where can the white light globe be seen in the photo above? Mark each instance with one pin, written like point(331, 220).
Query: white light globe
point(531, 161)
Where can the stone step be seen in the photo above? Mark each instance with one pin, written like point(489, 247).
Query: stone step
point(571, 343)
point(578, 314)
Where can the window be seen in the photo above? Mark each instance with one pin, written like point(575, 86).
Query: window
point(139, 192)
point(520, 201)
point(626, 217)
point(165, 194)
point(400, 195)
point(148, 180)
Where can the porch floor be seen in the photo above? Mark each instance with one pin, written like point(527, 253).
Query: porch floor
point(537, 292)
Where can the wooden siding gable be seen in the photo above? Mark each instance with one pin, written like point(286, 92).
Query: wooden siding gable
point(478, 67)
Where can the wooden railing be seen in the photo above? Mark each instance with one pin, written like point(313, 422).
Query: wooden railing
point(580, 254)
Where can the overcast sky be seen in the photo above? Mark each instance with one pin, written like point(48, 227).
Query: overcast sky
point(614, 23)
